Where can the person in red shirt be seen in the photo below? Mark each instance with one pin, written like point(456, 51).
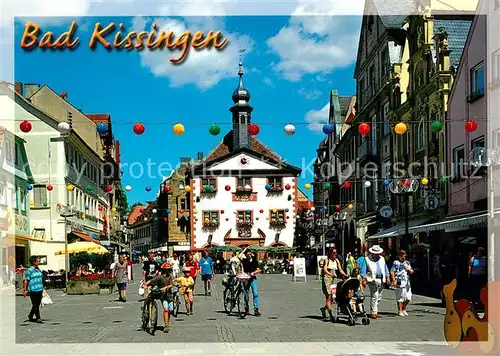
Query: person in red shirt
point(193, 265)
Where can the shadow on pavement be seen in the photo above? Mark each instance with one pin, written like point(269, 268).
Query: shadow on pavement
point(315, 317)
point(433, 305)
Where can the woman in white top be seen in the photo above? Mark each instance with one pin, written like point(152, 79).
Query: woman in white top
point(176, 267)
point(331, 270)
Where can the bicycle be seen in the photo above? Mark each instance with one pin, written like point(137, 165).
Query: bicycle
point(176, 300)
point(150, 311)
point(235, 294)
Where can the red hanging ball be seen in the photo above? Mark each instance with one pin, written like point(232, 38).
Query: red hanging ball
point(165, 219)
point(288, 186)
point(181, 211)
point(253, 129)
point(364, 129)
point(287, 217)
point(139, 128)
point(471, 126)
point(337, 207)
point(99, 208)
point(109, 188)
point(141, 210)
point(167, 188)
point(222, 211)
point(25, 126)
point(261, 211)
point(347, 185)
point(407, 182)
point(228, 188)
point(50, 187)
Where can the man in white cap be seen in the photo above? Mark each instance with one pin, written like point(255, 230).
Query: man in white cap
point(376, 274)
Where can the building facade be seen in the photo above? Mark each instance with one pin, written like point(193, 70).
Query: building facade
point(243, 193)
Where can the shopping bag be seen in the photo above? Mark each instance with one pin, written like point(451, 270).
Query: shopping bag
point(46, 300)
point(141, 290)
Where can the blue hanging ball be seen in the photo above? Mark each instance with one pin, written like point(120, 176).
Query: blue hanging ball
point(328, 129)
point(102, 128)
point(148, 188)
point(86, 207)
point(268, 187)
point(386, 182)
point(29, 186)
point(249, 211)
point(325, 208)
point(169, 211)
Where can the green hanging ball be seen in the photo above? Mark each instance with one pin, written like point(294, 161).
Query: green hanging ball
point(214, 129)
point(444, 180)
point(90, 188)
point(436, 126)
point(327, 186)
point(45, 204)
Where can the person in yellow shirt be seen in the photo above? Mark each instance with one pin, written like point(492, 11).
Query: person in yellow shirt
point(186, 283)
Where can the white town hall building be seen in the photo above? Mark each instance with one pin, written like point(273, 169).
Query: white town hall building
point(243, 193)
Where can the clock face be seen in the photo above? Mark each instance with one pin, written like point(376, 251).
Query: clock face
point(244, 161)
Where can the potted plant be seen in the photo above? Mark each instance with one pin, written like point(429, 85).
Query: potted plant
point(208, 189)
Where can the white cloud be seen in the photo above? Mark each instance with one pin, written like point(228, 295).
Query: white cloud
point(310, 94)
point(203, 68)
point(311, 44)
point(268, 81)
point(317, 118)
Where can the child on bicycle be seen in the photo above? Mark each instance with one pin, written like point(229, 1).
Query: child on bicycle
point(186, 288)
point(164, 282)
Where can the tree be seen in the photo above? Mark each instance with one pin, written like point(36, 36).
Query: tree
point(123, 206)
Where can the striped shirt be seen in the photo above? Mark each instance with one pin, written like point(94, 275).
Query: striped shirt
point(35, 279)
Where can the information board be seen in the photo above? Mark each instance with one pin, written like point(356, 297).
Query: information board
point(299, 268)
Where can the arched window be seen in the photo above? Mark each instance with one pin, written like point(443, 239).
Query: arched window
point(420, 135)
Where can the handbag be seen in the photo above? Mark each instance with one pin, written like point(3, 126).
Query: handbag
point(46, 300)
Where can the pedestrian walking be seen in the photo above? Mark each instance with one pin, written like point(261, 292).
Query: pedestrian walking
point(478, 276)
point(400, 273)
point(374, 270)
point(250, 266)
point(192, 264)
point(176, 266)
point(164, 282)
point(331, 269)
point(150, 268)
point(121, 275)
point(33, 286)
point(350, 264)
point(207, 272)
point(186, 283)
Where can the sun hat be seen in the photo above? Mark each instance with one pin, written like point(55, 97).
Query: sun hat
point(376, 250)
point(186, 269)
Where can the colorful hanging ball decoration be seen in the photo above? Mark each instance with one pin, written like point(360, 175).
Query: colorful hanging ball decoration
point(424, 181)
point(288, 187)
point(169, 211)
point(108, 188)
point(307, 186)
point(325, 208)
point(139, 128)
point(228, 188)
point(337, 207)
point(141, 210)
point(268, 187)
point(63, 127)
point(155, 211)
point(214, 129)
point(444, 180)
point(227, 219)
point(386, 182)
point(222, 211)
point(256, 218)
point(25, 126)
point(364, 129)
point(287, 217)
point(113, 209)
point(275, 211)
point(249, 211)
point(167, 188)
point(102, 128)
point(253, 130)
point(145, 219)
point(471, 126)
point(261, 211)
point(287, 210)
point(29, 187)
point(327, 129)
point(84, 216)
point(148, 188)
point(32, 203)
point(289, 129)
point(436, 126)
point(350, 206)
point(368, 184)
point(181, 211)
point(327, 186)
point(187, 188)
point(90, 188)
point(178, 129)
point(165, 219)
point(45, 204)
point(313, 208)
point(50, 187)
point(70, 187)
point(347, 185)
point(86, 207)
point(128, 188)
point(401, 128)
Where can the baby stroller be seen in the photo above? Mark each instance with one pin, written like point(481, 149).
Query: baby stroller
point(348, 304)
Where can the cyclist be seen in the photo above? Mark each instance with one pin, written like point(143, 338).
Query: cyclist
point(251, 267)
point(187, 284)
point(164, 281)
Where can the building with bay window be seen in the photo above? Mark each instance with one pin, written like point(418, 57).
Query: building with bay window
point(242, 193)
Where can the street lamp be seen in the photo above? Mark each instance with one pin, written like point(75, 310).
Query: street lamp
point(66, 212)
point(404, 187)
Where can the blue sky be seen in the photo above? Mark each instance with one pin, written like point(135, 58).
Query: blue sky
point(291, 64)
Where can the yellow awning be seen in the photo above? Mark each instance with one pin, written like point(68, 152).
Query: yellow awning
point(83, 246)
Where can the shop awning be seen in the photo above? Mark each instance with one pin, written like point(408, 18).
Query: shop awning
point(182, 248)
point(398, 229)
point(86, 237)
point(461, 222)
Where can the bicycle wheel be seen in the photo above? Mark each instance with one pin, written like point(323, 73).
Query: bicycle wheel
point(242, 302)
point(153, 317)
point(145, 318)
point(228, 300)
point(177, 304)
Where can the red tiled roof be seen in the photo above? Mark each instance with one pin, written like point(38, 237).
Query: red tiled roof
point(98, 118)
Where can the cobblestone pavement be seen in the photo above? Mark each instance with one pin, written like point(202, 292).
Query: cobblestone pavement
point(290, 313)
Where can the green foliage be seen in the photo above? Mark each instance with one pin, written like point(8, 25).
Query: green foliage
point(123, 207)
point(98, 261)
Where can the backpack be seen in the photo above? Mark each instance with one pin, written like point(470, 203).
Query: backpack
point(322, 262)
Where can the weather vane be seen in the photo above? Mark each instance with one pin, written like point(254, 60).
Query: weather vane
point(241, 50)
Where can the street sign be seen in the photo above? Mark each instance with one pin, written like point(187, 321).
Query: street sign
point(431, 202)
point(299, 268)
point(386, 211)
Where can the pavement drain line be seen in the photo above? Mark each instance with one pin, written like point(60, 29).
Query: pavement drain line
point(224, 333)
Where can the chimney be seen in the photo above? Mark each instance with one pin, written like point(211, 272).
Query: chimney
point(64, 95)
point(200, 156)
point(19, 88)
point(30, 89)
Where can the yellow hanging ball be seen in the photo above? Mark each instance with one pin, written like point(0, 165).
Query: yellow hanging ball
point(187, 188)
point(145, 219)
point(350, 206)
point(178, 129)
point(307, 186)
point(275, 210)
point(113, 209)
point(196, 211)
point(424, 181)
point(32, 203)
point(83, 216)
point(401, 128)
point(70, 188)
